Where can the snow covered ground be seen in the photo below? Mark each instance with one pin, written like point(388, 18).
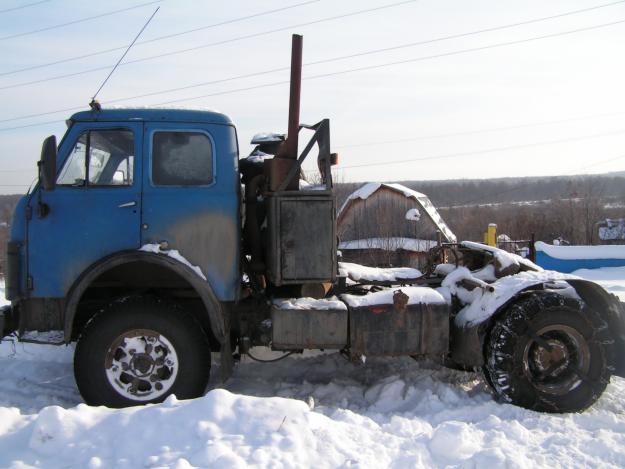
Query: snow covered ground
point(610, 278)
point(311, 411)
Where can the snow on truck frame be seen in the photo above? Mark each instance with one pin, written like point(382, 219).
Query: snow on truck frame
point(135, 240)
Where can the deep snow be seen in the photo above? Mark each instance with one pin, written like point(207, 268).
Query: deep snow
point(610, 278)
point(312, 411)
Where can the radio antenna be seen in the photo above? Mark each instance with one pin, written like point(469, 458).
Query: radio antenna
point(94, 105)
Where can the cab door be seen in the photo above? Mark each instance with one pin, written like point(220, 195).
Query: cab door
point(191, 198)
point(94, 210)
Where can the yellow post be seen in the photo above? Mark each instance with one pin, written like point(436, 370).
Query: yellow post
point(491, 235)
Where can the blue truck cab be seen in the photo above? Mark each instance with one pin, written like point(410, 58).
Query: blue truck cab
point(129, 178)
point(165, 179)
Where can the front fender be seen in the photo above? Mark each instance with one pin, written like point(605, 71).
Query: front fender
point(211, 303)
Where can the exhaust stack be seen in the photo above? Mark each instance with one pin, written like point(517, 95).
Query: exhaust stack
point(282, 164)
point(294, 96)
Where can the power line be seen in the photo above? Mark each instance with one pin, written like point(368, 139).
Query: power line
point(341, 72)
point(223, 23)
point(360, 54)
point(82, 20)
point(333, 59)
point(487, 150)
point(92, 54)
point(480, 131)
point(388, 64)
point(226, 41)
point(23, 6)
point(36, 124)
point(471, 33)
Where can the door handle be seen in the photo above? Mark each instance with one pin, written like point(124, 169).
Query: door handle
point(127, 204)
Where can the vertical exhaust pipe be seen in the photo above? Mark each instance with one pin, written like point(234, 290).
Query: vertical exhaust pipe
point(294, 96)
point(286, 158)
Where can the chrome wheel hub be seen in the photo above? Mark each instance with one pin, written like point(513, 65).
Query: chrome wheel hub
point(141, 365)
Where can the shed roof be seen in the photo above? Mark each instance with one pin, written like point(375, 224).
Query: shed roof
point(421, 200)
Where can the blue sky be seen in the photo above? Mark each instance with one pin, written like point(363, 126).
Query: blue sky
point(462, 115)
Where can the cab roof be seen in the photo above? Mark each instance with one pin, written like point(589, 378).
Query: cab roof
point(152, 115)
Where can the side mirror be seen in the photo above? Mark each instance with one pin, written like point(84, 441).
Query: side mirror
point(47, 163)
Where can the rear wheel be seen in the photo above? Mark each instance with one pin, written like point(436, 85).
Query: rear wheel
point(549, 353)
point(140, 351)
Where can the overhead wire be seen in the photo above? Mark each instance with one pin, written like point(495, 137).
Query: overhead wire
point(336, 73)
point(488, 150)
point(225, 41)
point(6, 10)
point(344, 57)
point(82, 20)
point(480, 131)
point(360, 54)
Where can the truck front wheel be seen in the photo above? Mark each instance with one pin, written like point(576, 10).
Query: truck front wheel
point(549, 353)
point(140, 351)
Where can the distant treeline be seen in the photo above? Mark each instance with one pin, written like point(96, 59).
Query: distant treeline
point(549, 207)
point(454, 192)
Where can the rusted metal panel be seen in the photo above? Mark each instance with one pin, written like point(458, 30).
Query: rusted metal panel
point(399, 329)
point(307, 329)
point(301, 237)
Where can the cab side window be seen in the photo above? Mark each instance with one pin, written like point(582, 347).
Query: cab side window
point(100, 158)
point(181, 159)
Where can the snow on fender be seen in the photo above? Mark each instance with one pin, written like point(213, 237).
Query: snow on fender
point(174, 254)
point(482, 303)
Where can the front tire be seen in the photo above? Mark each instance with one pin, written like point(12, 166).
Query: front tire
point(140, 351)
point(549, 353)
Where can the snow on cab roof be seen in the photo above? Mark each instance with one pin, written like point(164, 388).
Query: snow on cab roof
point(153, 114)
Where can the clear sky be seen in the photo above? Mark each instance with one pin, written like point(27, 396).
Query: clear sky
point(547, 106)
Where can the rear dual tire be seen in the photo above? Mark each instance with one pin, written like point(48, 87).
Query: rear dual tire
point(549, 353)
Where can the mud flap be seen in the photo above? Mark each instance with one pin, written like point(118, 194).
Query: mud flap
point(8, 322)
point(227, 361)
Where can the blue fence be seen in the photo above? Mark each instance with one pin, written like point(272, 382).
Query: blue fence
point(570, 258)
point(569, 265)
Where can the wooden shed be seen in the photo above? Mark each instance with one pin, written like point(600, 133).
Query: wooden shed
point(389, 224)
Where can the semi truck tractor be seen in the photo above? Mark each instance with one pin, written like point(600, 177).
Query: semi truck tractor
point(150, 243)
